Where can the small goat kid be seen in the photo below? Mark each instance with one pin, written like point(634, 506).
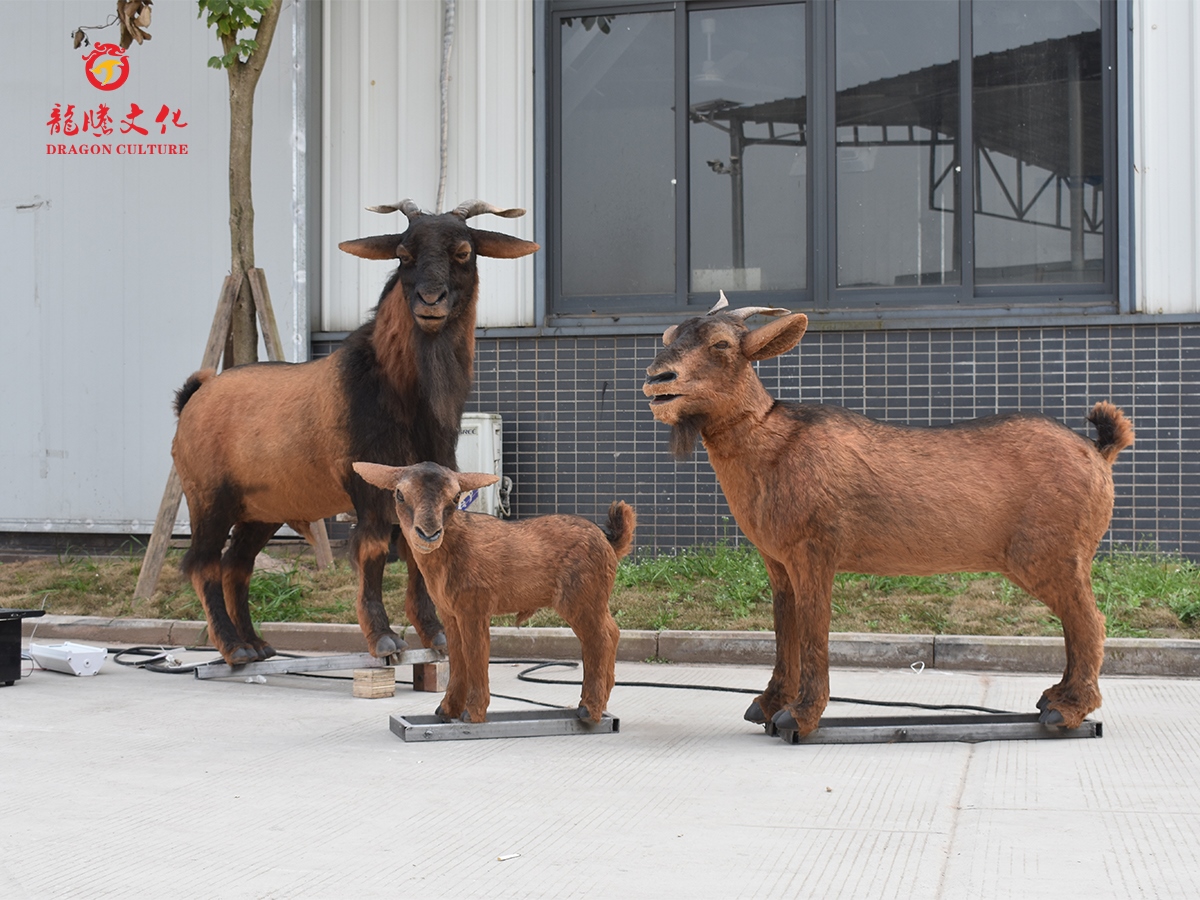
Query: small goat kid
point(478, 566)
point(269, 443)
point(820, 490)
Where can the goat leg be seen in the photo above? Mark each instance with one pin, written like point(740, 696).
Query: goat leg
point(811, 575)
point(370, 556)
point(421, 612)
point(453, 702)
point(237, 565)
point(475, 640)
point(206, 579)
point(418, 605)
point(1063, 583)
point(804, 714)
point(1068, 703)
point(202, 565)
point(785, 679)
point(598, 635)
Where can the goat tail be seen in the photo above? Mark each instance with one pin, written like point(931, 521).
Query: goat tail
point(195, 380)
point(619, 531)
point(1114, 431)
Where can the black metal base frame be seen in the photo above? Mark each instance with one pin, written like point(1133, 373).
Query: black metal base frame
point(970, 729)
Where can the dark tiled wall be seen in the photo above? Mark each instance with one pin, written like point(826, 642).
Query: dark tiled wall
point(578, 433)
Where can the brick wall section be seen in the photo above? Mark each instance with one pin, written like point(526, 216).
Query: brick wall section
point(578, 433)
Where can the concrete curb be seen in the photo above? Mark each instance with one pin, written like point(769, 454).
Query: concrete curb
point(1123, 656)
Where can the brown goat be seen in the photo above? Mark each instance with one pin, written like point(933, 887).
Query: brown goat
point(820, 490)
point(265, 444)
point(477, 566)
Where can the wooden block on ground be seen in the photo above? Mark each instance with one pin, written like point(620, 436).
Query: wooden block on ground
point(373, 684)
point(433, 677)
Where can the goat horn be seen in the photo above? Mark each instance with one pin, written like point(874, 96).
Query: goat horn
point(747, 311)
point(408, 207)
point(476, 207)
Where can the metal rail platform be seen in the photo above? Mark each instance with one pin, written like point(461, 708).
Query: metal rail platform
point(286, 665)
point(971, 729)
point(512, 724)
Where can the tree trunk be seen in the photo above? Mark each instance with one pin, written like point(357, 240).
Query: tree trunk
point(242, 344)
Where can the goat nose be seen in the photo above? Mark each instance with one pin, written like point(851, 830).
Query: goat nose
point(431, 296)
point(427, 537)
point(660, 378)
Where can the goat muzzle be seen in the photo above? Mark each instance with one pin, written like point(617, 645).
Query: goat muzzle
point(431, 309)
point(426, 542)
point(654, 389)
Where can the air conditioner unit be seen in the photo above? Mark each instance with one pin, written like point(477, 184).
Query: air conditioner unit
point(480, 450)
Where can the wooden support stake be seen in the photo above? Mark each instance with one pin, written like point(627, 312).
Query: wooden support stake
point(266, 315)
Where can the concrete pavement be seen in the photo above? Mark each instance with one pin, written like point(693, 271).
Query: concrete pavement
point(131, 782)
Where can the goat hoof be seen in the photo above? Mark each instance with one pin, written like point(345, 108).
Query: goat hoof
point(1051, 717)
point(439, 641)
point(387, 645)
point(785, 721)
point(583, 713)
point(1042, 701)
point(266, 651)
point(755, 714)
point(241, 656)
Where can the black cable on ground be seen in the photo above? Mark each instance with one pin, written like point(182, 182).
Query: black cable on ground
point(942, 707)
point(155, 653)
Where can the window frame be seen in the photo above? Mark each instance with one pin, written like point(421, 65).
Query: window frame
point(822, 298)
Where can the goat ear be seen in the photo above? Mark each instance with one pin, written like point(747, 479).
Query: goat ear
point(775, 337)
point(385, 477)
point(473, 481)
point(669, 335)
point(501, 246)
point(381, 246)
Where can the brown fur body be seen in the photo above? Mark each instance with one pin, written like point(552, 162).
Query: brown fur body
point(271, 443)
point(478, 566)
point(820, 490)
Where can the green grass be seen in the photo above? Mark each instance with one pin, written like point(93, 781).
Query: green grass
point(283, 597)
point(1128, 582)
point(738, 575)
point(1142, 593)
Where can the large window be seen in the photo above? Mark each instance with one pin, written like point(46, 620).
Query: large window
point(821, 155)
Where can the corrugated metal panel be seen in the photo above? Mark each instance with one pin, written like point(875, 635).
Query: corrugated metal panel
point(382, 64)
point(1167, 155)
point(109, 286)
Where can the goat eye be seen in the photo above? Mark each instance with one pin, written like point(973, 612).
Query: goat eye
point(403, 255)
point(463, 253)
point(721, 345)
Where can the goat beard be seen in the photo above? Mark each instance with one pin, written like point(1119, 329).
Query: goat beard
point(684, 434)
point(445, 379)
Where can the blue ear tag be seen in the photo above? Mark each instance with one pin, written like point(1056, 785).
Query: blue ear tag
point(468, 498)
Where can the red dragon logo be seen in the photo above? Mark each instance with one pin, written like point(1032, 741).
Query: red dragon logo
point(106, 67)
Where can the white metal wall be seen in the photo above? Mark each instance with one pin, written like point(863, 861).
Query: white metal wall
point(381, 119)
point(1166, 39)
point(110, 265)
